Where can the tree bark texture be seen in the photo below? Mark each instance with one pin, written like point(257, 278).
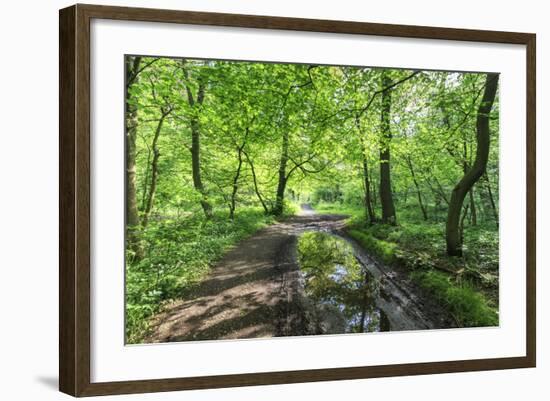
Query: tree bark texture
point(132, 216)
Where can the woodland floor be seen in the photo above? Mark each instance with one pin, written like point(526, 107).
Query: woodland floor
point(255, 290)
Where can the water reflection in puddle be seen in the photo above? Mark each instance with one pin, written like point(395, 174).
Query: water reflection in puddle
point(342, 291)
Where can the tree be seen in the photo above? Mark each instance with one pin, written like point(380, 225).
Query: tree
point(371, 216)
point(240, 152)
point(220, 148)
point(195, 103)
point(283, 175)
point(165, 111)
point(453, 235)
point(133, 68)
point(417, 186)
point(281, 185)
point(386, 196)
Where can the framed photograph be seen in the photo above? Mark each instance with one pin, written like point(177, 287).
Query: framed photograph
point(250, 200)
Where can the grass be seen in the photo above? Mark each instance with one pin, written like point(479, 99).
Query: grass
point(468, 306)
point(384, 250)
point(467, 286)
point(356, 214)
point(329, 208)
point(178, 254)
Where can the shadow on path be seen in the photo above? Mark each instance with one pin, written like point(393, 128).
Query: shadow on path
point(248, 292)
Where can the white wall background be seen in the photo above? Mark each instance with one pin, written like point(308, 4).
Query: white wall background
point(28, 197)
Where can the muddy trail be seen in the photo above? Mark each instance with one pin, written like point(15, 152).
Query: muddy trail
point(257, 290)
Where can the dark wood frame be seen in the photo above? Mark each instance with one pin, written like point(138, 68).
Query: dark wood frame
point(74, 199)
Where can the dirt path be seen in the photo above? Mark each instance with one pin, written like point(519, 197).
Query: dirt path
point(255, 290)
point(249, 291)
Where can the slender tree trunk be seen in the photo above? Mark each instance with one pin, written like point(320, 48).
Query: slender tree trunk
point(195, 145)
point(154, 172)
point(491, 199)
point(368, 198)
point(132, 216)
point(438, 193)
point(145, 183)
point(255, 181)
point(232, 205)
point(386, 197)
point(453, 237)
point(461, 225)
point(441, 191)
point(473, 210)
point(374, 185)
point(418, 192)
point(466, 166)
point(280, 195)
point(196, 168)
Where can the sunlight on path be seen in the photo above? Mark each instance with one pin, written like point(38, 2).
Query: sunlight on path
point(306, 210)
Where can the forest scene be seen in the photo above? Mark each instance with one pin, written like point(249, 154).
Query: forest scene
point(270, 199)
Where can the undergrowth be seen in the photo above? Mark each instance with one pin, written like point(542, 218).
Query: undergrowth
point(177, 254)
point(467, 305)
point(467, 287)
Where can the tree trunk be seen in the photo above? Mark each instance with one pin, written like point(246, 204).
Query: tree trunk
point(196, 168)
point(491, 199)
point(386, 197)
point(473, 210)
point(255, 181)
point(232, 205)
point(368, 198)
point(373, 190)
point(196, 146)
point(145, 188)
point(154, 172)
point(280, 195)
point(441, 191)
point(466, 167)
point(453, 237)
point(132, 216)
point(418, 193)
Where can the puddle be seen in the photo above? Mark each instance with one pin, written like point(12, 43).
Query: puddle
point(341, 290)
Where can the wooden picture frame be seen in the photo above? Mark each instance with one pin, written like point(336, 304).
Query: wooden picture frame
point(74, 200)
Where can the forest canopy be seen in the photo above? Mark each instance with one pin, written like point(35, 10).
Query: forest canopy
point(217, 149)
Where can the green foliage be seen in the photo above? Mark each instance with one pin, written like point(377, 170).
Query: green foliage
point(468, 306)
point(468, 293)
point(421, 244)
point(290, 208)
point(326, 194)
point(178, 253)
point(384, 250)
point(315, 131)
